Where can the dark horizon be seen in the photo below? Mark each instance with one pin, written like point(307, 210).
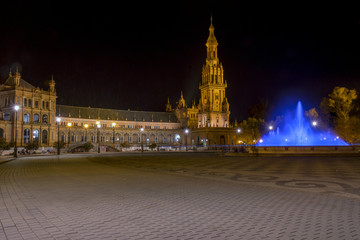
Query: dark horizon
point(137, 55)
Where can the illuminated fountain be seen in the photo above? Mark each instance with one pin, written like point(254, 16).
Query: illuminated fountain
point(299, 132)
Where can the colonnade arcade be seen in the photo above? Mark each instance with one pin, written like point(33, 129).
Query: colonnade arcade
point(112, 135)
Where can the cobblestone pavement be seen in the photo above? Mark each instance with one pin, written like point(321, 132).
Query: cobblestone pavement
point(180, 196)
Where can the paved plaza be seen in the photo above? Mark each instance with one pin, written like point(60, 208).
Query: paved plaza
point(179, 196)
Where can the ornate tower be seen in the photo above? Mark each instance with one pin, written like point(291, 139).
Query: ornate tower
point(182, 103)
point(17, 77)
point(52, 84)
point(213, 106)
point(168, 107)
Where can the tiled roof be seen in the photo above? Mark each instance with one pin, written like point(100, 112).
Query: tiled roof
point(112, 114)
point(10, 81)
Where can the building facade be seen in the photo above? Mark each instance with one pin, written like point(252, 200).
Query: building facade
point(206, 123)
point(34, 121)
point(209, 120)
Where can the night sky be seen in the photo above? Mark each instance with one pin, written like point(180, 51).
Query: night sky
point(136, 55)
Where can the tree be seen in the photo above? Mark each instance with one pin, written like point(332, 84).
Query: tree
point(61, 145)
point(260, 110)
point(341, 102)
point(87, 146)
point(337, 109)
point(32, 146)
point(251, 129)
point(3, 144)
point(313, 115)
point(152, 146)
point(124, 145)
point(350, 133)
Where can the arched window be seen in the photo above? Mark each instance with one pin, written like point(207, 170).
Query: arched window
point(26, 135)
point(36, 117)
point(45, 118)
point(1, 133)
point(44, 137)
point(26, 118)
point(6, 116)
point(36, 135)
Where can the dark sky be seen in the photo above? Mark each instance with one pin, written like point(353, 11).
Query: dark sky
point(137, 54)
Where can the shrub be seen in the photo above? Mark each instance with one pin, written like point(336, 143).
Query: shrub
point(32, 146)
point(3, 144)
point(61, 144)
point(87, 146)
point(152, 146)
point(124, 145)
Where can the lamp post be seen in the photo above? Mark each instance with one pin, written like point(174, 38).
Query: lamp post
point(69, 137)
point(58, 120)
point(16, 107)
point(113, 125)
point(238, 131)
point(142, 145)
point(86, 127)
point(98, 133)
point(186, 137)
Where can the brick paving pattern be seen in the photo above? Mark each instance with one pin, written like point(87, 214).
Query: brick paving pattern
point(180, 196)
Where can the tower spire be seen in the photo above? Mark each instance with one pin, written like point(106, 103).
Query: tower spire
point(213, 98)
point(211, 41)
point(211, 44)
point(17, 76)
point(168, 106)
point(182, 103)
point(52, 84)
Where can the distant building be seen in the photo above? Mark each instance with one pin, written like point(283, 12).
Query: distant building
point(36, 116)
point(207, 122)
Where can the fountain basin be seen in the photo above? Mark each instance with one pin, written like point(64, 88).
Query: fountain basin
point(298, 131)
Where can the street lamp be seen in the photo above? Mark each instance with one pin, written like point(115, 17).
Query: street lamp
point(16, 107)
point(186, 136)
point(271, 127)
point(86, 127)
point(69, 137)
point(238, 131)
point(58, 120)
point(113, 127)
point(98, 133)
point(314, 123)
point(142, 145)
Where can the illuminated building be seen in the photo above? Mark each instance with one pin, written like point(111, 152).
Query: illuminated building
point(208, 120)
